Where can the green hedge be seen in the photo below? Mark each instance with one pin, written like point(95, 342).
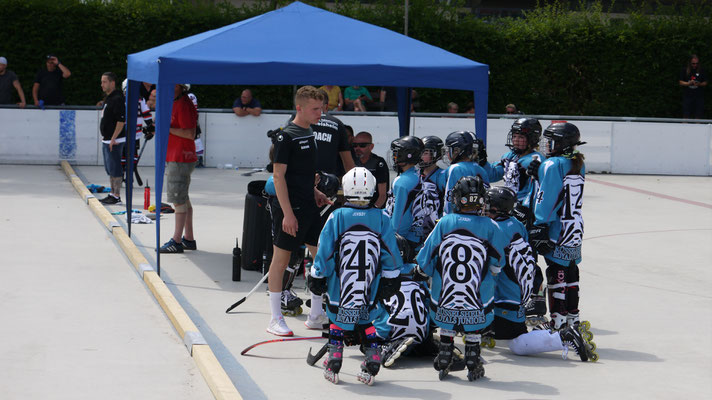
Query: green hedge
point(552, 61)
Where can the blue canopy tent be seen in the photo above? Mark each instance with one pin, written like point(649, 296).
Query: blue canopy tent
point(294, 45)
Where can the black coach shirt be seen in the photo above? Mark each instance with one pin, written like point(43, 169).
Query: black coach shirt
point(295, 147)
point(378, 168)
point(114, 111)
point(331, 138)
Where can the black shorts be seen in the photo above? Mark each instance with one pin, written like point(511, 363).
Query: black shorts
point(308, 227)
point(505, 329)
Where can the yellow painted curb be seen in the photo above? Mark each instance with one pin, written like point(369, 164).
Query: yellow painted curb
point(215, 376)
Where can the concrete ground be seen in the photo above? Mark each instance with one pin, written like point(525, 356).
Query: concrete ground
point(646, 269)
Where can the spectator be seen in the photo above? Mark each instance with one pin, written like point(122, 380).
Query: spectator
point(470, 108)
point(336, 99)
point(692, 79)
point(452, 108)
point(180, 163)
point(511, 109)
point(48, 83)
point(8, 79)
point(388, 99)
point(356, 98)
point(247, 105)
point(113, 134)
point(363, 147)
point(145, 90)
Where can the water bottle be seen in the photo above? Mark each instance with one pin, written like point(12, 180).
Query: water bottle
point(146, 196)
point(236, 261)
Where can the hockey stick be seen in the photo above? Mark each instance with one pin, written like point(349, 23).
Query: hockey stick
point(242, 300)
point(138, 177)
point(242, 353)
point(312, 359)
point(254, 171)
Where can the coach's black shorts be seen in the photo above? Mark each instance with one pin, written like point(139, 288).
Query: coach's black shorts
point(308, 231)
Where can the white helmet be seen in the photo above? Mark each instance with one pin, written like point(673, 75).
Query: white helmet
point(123, 85)
point(359, 185)
point(186, 87)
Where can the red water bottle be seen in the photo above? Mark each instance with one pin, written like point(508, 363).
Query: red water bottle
point(146, 196)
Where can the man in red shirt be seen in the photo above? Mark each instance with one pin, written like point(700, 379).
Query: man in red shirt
point(180, 162)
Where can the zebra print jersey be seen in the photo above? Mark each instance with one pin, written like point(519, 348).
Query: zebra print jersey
point(558, 204)
point(512, 169)
point(457, 171)
point(405, 313)
point(462, 254)
point(357, 246)
point(514, 283)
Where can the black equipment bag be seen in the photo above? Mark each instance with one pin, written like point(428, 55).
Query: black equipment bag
point(256, 229)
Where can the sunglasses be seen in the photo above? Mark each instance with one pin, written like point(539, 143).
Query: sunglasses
point(360, 145)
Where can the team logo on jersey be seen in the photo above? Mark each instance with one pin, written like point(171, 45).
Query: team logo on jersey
point(426, 207)
point(358, 263)
point(511, 174)
point(408, 312)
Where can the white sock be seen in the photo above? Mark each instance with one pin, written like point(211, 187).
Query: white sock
point(534, 342)
point(316, 308)
point(275, 303)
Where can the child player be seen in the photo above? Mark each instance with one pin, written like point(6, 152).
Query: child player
point(462, 254)
point(357, 264)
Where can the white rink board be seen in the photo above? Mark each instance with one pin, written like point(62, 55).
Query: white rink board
point(32, 137)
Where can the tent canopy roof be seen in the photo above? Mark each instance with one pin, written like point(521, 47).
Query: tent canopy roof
point(299, 44)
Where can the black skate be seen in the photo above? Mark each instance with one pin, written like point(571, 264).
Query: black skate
point(571, 337)
point(370, 366)
point(443, 361)
point(394, 349)
point(475, 369)
point(488, 340)
point(332, 364)
point(536, 311)
point(291, 304)
point(584, 327)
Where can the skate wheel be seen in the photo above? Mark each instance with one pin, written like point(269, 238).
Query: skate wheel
point(299, 310)
point(586, 325)
point(365, 377)
point(442, 374)
point(489, 343)
point(593, 357)
point(587, 336)
point(591, 346)
point(331, 377)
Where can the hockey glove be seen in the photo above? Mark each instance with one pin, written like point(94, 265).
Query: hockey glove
point(482, 155)
point(316, 285)
point(148, 131)
point(533, 169)
point(539, 238)
point(387, 288)
point(521, 213)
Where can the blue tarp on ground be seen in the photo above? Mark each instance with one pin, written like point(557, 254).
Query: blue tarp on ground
point(300, 44)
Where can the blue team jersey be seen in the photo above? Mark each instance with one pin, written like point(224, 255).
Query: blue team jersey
point(558, 205)
point(407, 206)
point(515, 281)
point(269, 187)
point(356, 247)
point(512, 169)
point(405, 313)
point(462, 254)
point(457, 171)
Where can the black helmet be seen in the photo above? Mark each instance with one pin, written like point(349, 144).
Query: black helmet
point(406, 251)
point(461, 141)
point(469, 194)
point(328, 184)
point(500, 201)
point(434, 145)
point(562, 137)
point(406, 149)
point(529, 127)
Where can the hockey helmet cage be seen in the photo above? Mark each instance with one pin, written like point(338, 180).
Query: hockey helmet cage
point(501, 200)
point(468, 195)
point(406, 150)
point(530, 128)
point(561, 138)
point(359, 185)
point(433, 145)
point(459, 145)
point(328, 184)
